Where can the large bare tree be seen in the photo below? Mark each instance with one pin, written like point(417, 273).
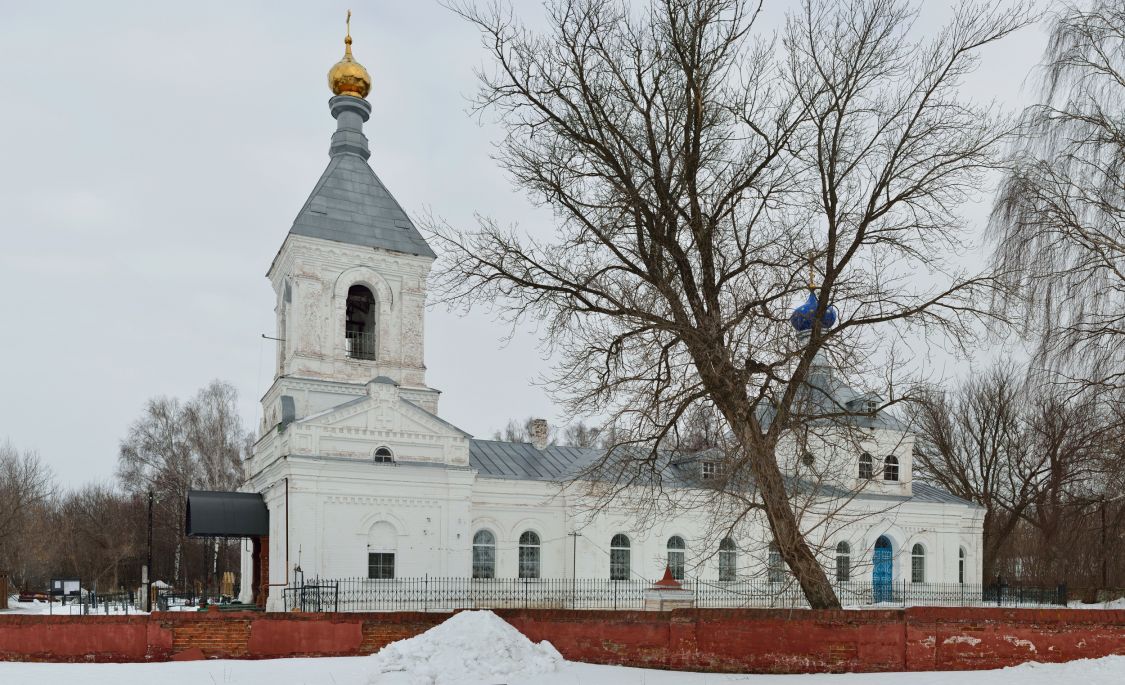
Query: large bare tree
point(1059, 217)
point(695, 170)
point(26, 486)
point(179, 446)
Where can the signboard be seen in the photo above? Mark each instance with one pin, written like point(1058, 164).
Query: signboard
point(66, 587)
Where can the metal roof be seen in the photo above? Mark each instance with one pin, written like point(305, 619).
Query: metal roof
point(923, 492)
point(522, 461)
point(226, 515)
point(349, 204)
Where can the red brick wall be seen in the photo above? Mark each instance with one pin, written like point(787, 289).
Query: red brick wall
point(731, 640)
point(750, 640)
point(946, 639)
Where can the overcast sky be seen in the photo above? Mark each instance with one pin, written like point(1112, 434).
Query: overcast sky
point(154, 155)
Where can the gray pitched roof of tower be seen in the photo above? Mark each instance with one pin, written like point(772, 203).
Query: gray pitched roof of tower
point(351, 205)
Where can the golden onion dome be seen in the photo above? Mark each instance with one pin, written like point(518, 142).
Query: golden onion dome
point(348, 77)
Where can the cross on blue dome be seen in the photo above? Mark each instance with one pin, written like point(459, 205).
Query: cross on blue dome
point(803, 316)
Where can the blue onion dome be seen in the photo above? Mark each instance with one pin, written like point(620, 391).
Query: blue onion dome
point(802, 317)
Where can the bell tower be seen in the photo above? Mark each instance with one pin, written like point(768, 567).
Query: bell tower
point(350, 277)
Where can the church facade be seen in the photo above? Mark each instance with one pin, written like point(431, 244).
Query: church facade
point(363, 478)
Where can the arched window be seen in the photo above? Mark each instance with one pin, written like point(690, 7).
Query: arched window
point(866, 471)
point(676, 549)
point(619, 566)
point(529, 554)
point(484, 554)
point(775, 570)
point(728, 560)
point(961, 565)
point(359, 323)
point(890, 468)
point(843, 562)
point(383, 455)
point(382, 543)
point(918, 564)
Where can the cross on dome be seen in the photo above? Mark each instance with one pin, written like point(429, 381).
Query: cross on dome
point(348, 77)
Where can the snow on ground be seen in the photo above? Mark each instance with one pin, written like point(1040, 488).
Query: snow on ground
point(1118, 603)
point(357, 671)
point(470, 647)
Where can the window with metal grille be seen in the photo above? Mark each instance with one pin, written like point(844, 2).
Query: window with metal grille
point(890, 468)
point(383, 455)
point(529, 555)
point(843, 562)
point(866, 469)
point(484, 554)
point(728, 560)
point(961, 565)
point(381, 565)
point(676, 554)
point(359, 323)
point(619, 564)
point(775, 570)
point(918, 564)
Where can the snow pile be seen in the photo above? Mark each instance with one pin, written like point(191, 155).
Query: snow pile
point(470, 647)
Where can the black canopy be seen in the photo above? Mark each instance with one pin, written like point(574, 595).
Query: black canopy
point(226, 515)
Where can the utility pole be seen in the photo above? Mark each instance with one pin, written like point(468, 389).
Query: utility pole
point(1105, 584)
point(148, 565)
point(573, 564)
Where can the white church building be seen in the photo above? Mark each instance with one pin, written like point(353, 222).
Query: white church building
point(363, 478)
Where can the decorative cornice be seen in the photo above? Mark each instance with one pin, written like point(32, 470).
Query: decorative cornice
point(365, 500)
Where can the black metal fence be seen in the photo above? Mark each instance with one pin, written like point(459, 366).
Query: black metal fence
point(444, 594)
point(167, 600)
point(94, 603)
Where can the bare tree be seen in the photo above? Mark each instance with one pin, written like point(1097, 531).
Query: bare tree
point(25, 487)
point(973, 443)
point(175, 447)
point(576, 434)
point(1059, 216)
point(1031, 453)
point(694, 170)
point(581, 434)
point(98, 529)
point(520, 431)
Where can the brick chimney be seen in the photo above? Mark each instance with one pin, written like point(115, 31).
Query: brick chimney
point(539, 432)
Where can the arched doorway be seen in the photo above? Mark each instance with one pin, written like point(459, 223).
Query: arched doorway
point(882, 564)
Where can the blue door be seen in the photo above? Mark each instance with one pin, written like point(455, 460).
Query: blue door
point(883, 570)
